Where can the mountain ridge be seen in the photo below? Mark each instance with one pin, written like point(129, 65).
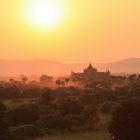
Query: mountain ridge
point(50, 67)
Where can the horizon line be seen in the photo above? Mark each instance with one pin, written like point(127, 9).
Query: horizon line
point(42, 59)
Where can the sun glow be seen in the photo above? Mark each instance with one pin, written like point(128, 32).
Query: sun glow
point(45, 13)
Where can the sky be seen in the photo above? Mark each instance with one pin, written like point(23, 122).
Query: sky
point(90, 31)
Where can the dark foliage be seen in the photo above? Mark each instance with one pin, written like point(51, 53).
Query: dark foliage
point(70, 105)
point(25, 114)
point(52, 121)
point(69, 108)
point(46, 97)
point(126, 120)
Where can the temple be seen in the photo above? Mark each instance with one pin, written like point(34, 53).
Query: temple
point(91, 73)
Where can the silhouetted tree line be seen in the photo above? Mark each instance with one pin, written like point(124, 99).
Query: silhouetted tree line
point(71, 109)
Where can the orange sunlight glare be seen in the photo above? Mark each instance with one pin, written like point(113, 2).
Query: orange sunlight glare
point(45, 13)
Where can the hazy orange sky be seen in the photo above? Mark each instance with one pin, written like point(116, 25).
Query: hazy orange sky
point(92, 31)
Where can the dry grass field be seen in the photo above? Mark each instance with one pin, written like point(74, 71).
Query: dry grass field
point(99, 135)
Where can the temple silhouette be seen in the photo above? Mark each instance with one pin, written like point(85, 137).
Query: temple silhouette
point(91, 73)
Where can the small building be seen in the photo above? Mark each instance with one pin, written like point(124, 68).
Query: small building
point(91, 73)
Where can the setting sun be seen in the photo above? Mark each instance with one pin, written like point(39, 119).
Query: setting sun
point(45, 13)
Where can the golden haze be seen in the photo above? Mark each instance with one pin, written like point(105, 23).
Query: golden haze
point(92, 30)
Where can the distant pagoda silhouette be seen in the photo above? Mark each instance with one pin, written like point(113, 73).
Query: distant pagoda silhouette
point(91, 73)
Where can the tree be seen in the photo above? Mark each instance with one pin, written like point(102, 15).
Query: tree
point(125, 121)
point(44, 79)
point(70, 105)
point(24, 114)
point(24, 79)
point(60, 83)
point(46, 97)
point(67, 80)
point(4, 127)
point(132, 78)
point(2, 111)
point(92, 117)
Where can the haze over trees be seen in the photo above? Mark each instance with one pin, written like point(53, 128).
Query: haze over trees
point(50, 106)
point(29, 67)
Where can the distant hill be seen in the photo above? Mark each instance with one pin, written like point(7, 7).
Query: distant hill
point(130, 65)
point(29, 67)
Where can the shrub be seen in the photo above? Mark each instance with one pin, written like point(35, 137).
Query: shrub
point(4, 128)
point(52, 121)
point(74, 120)
point(27, 131)
point(107, 107)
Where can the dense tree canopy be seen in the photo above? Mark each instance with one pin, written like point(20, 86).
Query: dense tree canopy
point(126, 120)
